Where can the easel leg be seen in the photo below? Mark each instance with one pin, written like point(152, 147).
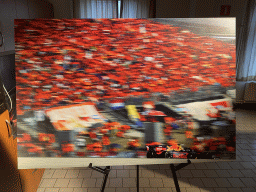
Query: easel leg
point(176, 168)
point(138, 179)
point(105, 172)
point(105, 179)
point(175, 179)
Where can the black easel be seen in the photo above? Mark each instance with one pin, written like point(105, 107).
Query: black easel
point(105, 172)
point(176, 168)
point(138, 179)
point(173, 168)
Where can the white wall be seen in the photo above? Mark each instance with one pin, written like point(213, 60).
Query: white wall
point(63, 9)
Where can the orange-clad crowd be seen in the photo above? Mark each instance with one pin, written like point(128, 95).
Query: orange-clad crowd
point(66, 61)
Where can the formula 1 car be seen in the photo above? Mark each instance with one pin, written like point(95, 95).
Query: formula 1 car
point(156, 150)
point(166, 151)
point(182, 153)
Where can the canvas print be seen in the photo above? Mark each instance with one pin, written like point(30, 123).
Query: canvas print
point(125, 88)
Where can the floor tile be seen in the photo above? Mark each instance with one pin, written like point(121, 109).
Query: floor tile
point(254, 164)
point(129, 182)
point(248, 189)
point(223, 173)
point(245, 152)
point(210, 173)
point(212, 166)
point(207, 189)
point(61, 183)
point(48, 173)
point(73, 173)
point(235, 173)
point(244, 146)
point(47, 183)
point(66, 190)
point(80, 190)
point(122, 173)
point(196, 182)
point(85, 174)
point(93, 189)
point(236, 165)
point(40, 190)
point(156, 182)
point(164, 166)
point(148, 173)
point(75, 183)
point(246, 158)
point(239, 153)
point(190, 166)
point(248, 173)
point(235, 190)
point(182, 189)
point(252, 151)
point(122, 189)
point(115, 182)
point(185, 173)
point(209, 182)
point(59, 173)
point(144, 182)
point(51, 190)
point(89, 182)
point(100, 181)
point(117, 167)
point(223, 165)
point(112, 173)
point(153, 167)
point(164, 189)
point(221, 189)
point(96, 174)
point(236, 182)
point(130, 167)
point(200, 166)
point(249, 182)
point(150, 189)
point(222, 182)
point(238, 158)
point(184, 182)
point(110, 190)
point(133, 173)
point(247, 165)
point(198, 173)
point(160, 173)
point(193, 189)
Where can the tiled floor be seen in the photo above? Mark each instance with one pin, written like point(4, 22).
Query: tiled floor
point(235, 176)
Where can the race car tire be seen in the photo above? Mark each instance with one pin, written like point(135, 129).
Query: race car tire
point(151, 154)
point(167, 155)
point(170, 155)
point(192, 156)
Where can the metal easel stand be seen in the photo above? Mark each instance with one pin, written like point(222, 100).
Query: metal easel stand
point(104, 171)
point(176, 168)
point(173, 168)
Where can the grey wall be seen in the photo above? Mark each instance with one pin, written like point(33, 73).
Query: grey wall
point(63, 9)
point(7, 71)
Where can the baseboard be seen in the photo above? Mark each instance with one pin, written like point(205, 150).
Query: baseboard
point(245, 106)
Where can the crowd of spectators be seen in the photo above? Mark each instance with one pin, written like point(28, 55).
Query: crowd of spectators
point(68, 61)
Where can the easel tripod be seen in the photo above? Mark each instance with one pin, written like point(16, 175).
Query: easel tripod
point(173, 168)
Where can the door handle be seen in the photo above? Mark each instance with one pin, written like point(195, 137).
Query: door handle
point(10, 127)
point(2, 39)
